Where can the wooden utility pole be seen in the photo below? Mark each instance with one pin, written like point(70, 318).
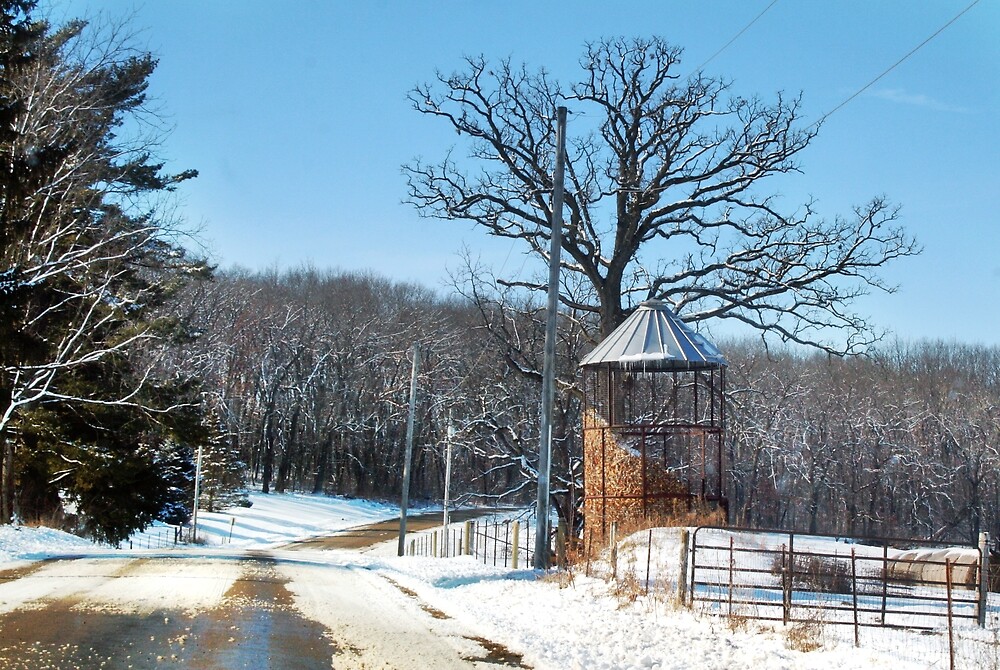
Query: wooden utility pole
point(197, 495)
point(541, 561)
point(447, 481)
point(409, 452)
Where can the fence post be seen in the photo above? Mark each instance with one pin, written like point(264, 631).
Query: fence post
point(984, 577)
point(786, 583)
point(589, 549)
point(683, 569)
point(434, 544)
point(854, 592)
point(885, 577)
point(614, 549)
point(467, 549)
point(413, 547)
point(649, 556)
point(515, 544)
point(951, 631)
point(561, 545)
point(732, 566)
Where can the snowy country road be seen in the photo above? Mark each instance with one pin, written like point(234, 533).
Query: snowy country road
point(274, 609)
point(91, 613)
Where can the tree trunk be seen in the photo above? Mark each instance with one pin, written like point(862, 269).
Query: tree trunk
point(322, 465)
point(611, 312)
point(285, 466)
point(6, 480)
point(268, 464)
point(814, 505)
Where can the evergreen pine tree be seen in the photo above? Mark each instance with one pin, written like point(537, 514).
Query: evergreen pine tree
point(85, 422)
point(223, 475)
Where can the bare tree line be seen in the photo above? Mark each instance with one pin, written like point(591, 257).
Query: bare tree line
point(309, 374)
point(905, 441)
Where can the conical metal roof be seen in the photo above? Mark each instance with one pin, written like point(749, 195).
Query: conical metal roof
point(654, 338)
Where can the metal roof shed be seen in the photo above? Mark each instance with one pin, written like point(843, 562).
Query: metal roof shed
point(653, 337)
point(653, 422)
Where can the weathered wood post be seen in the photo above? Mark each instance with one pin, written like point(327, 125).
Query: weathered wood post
point(467, 549)
point(951, 629)
point(854, 592)
point(732, 569)
point(787, 563)
point(589, 549)
point(613, 545)
point(515, 542)
point(682, 571)
point(885, 578)
point(984, 577)
point(561, 545)
point(649, 556)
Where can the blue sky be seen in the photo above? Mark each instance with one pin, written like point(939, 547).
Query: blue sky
point(295, 115)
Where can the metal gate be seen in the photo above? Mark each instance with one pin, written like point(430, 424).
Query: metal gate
point(800, 577)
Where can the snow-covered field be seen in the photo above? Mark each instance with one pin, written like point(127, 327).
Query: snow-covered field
point(557, 620)
point(272, 520)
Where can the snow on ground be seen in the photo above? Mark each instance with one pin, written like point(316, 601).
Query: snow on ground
point(24, 543)
point(272, 520)
point(151, 585)
point(570, 620)
point(581, 623)
point(557, 620)
point(277, 519)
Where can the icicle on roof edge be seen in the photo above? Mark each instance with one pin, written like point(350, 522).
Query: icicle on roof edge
point(654, 338)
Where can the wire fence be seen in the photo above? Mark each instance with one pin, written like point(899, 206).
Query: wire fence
point(503, 540)
point(159, 537)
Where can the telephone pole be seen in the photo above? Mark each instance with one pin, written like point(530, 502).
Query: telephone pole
point(404, 503)
point(541, 561)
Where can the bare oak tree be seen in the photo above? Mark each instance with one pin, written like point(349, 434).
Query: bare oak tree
point(666, 194)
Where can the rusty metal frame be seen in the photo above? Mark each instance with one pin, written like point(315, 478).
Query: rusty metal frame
point(691, 432)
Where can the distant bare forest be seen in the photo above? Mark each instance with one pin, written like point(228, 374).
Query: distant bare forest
point(307, 374)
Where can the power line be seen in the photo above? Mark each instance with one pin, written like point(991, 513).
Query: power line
point(735, 37)
point(897, 63)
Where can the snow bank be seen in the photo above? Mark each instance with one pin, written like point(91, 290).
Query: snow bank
point(26, 543)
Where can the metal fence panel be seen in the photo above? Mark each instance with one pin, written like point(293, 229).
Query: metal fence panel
point(801, 577)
